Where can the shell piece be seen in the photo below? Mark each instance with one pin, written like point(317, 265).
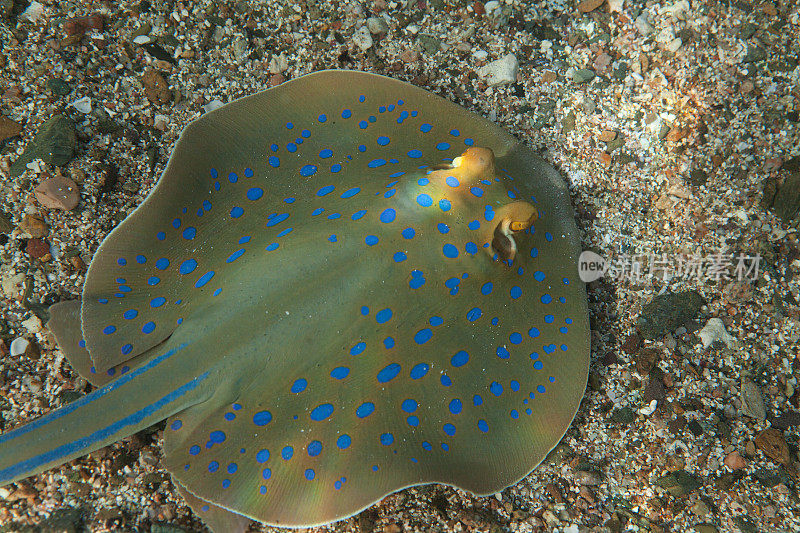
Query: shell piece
point(378, 288)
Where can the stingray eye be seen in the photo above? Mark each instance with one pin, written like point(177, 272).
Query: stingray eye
point(515, 217)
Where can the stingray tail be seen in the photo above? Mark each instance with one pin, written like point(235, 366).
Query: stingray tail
point(116, 410)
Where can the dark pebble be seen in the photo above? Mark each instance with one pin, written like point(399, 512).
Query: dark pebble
point(55, 144)
point(667, 312)
point(679, 483)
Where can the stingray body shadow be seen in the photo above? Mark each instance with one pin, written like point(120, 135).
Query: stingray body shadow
point(341, 287)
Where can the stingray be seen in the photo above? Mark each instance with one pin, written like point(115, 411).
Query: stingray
point(340, 287)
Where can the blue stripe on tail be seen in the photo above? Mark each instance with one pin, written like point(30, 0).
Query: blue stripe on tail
point(75, 446)
point(89, 398)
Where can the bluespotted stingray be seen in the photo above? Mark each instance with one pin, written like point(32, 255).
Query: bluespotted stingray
point(340, 287)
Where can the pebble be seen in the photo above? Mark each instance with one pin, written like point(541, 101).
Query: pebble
point(643, 25)
point(667, 312)
point(54, 143)
point(362, 39)
point(714, 331)
point(607, 136)
point(58, 192)
point(583, 75)
point(771, 442)
point(734, 461)
point(586, 6)
point(429, 43)
point(13, 285)
point(155, 87)
point(212, 105)
point(377, 25)
point(82, 105)
point(18, 346)
point(501, 71)
point(752, 401)
point(678, 483)
point(38, 249)
point(59, 87)
point(8, 128)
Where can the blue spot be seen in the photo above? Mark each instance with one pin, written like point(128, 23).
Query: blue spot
point(538, 275)
point(205, 278)
point(363, 124)
point(232, 468)
point(266, 474)
point(289, 125)
point(445, 380)
point(358, 348)
point(533, 332)
point(455, 406)
point(502, 352)
point(471, 248)
point(326, 153)
point(351, 192)
point(130, 314)
point(476, 191)
point(176, 223)
point(371, 240)
point(383, 140)
point(336, 167)
point(299, 385)
point(477, 400)
point(194, 450)
point(417, 280)
point(399, 257)
point(309, 474)
point(277, 219)
point(516, 292)
point(414, 154)
point(383, 316)
point(474, 225)
point(340, 372)
point(452, 181)
point(141, 259)
point(546, 299)
point(344, 441)
point(495, 388)
point(149, 328)
point(540, 389)
point(305, 134)
point(450, 429)
point(387, 439)
point(443, 228)
point(217, 436)
point(272, 246)
point(262, 418)
point(423, 336)
point(515, 338)
point(365, 409)
point(474, 314)
point(254, 193)
point(262, 456)
point(419, 371)
point(162, 263)
point(483, 426)
point(213, 466)
point(388, 215)
point(444, 204)
point(425, 128)
point(308, 170)
point(486, 288)
point(235, 255)
point(408, 233)
point(388, 343)
point(443, 146)
point(450, 251)
point(364, 310)
point(187, 266)
point(121, 261)
point(322, 118)
point(412, 421)
point(375, 163)
point(459, 359)
point(287, 453)
point(274, 162)
point(514, 384)
point(158, 302)
point(361, 148)
point(232, 177)
point(409, 405)
point(549, 319)
point(236, 212)
point(161, 235)
point(423, 181)
point(126, 349)
point(321, 412)
point(424, 200)
point(388, 373)
point(469, 142)
point(347, 113)
point(435, 320)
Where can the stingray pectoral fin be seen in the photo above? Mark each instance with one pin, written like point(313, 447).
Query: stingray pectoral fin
point(132, 402)
point(511, 218)
point(65, 324)
point(217, 518)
